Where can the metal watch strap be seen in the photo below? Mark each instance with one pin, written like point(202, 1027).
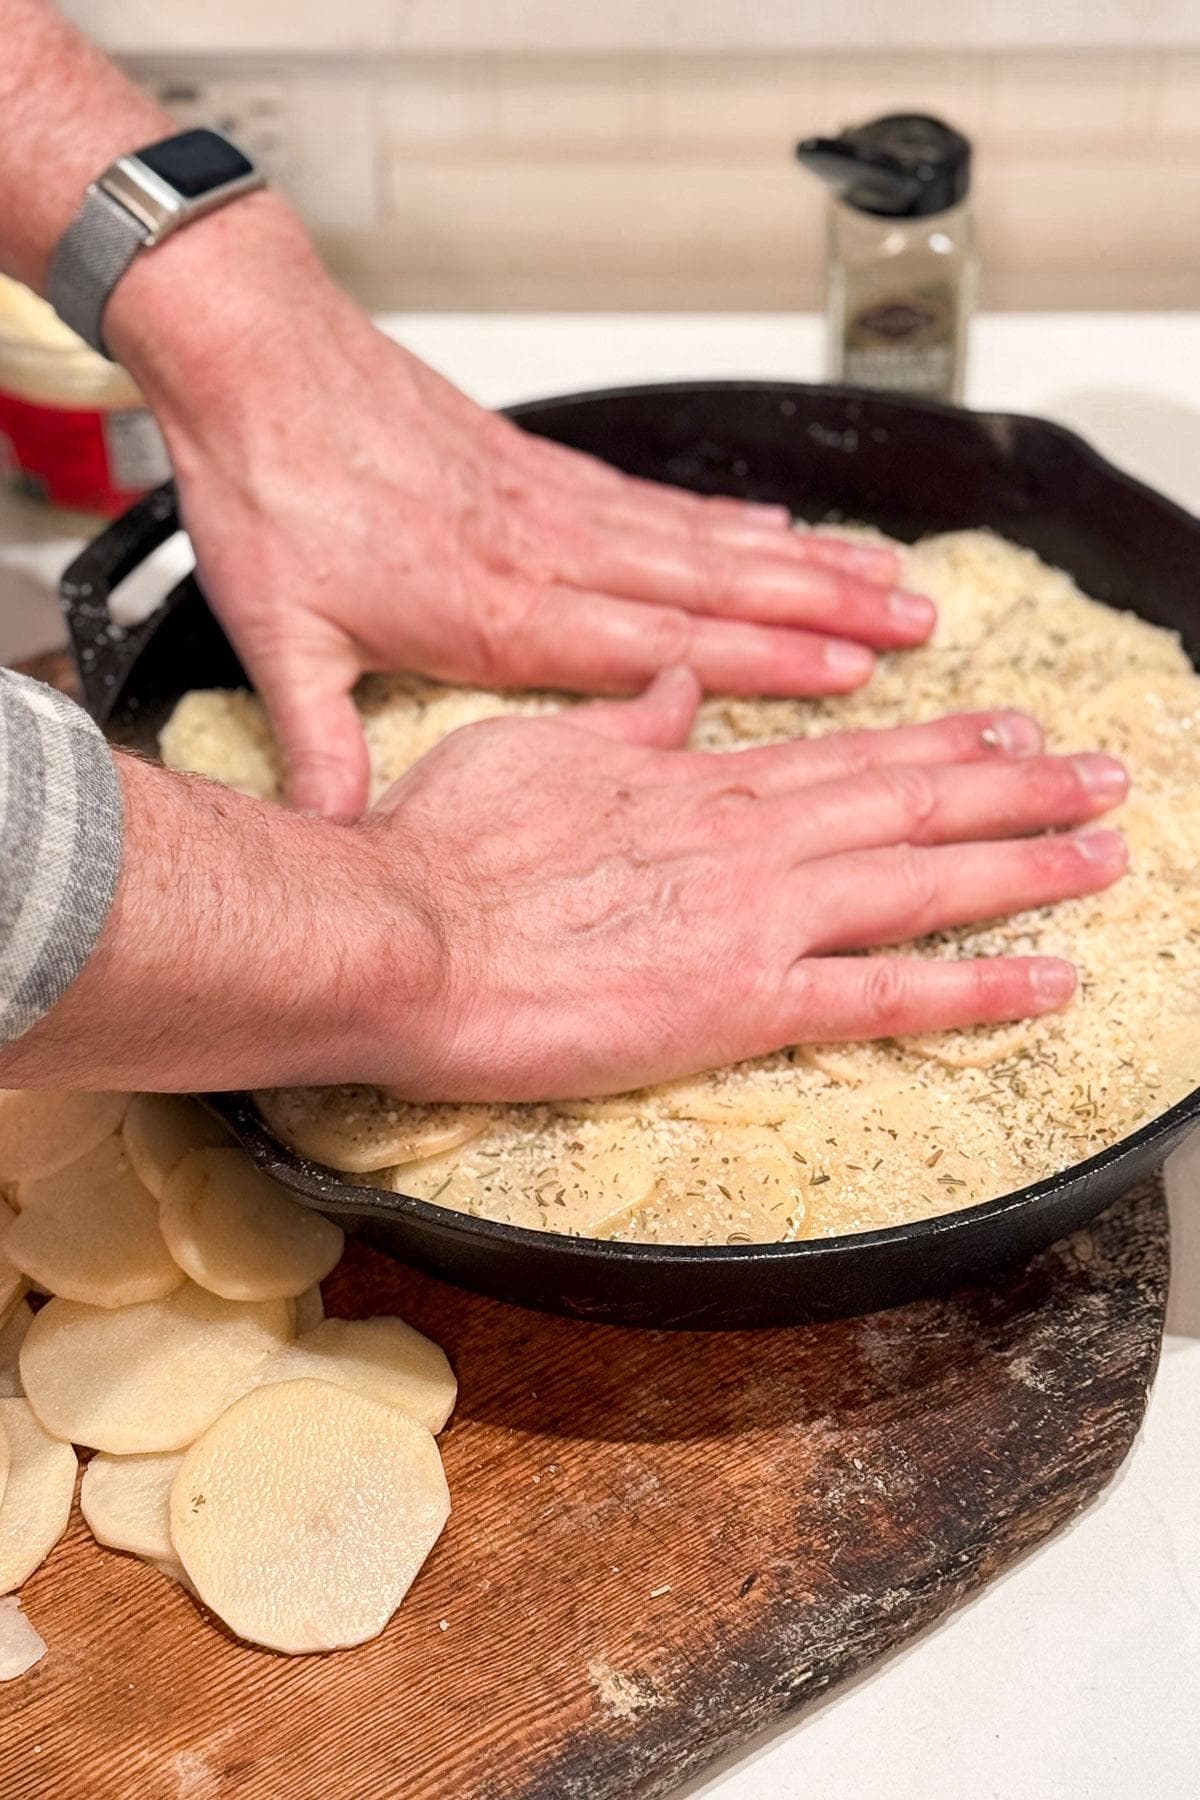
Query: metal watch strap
point(93, 253)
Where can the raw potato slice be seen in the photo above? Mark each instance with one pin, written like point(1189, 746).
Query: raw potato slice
point(239, 1234)
point(37, 1497)
point(42, 1130)
point(853, 1065)
point(309, 1309)
point(224, 733)
point(13, 1284)
point(975, 579)
point(725, 1185)
point(979, 1047)
point(91, 1233)
point(1174, 1060)
point(358, 1129)
point(160, 1130)
point(126, 1501)
point(12, 1336)
point(714, 1103)
point(576, 1176)
point(148, 1377)
point(20, 1645)
point(614, 1106)
point(1151, 721)
point(304, 1513)
point(386, 1359)
point(875, 1159)
point(1163, 834)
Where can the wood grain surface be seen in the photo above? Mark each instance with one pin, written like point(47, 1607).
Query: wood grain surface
point(660, 1542)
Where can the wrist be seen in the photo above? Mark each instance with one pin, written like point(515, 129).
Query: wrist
point(200, 318)
point(247, 946)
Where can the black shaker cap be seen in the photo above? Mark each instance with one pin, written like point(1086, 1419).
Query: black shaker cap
point(903, 166)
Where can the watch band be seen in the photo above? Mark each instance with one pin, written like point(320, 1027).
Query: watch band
point(138, 201)
point(92, 255)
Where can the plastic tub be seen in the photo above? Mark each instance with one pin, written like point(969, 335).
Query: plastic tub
point(74, 430)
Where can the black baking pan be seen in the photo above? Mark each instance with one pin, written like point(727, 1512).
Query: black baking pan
point(911, 467)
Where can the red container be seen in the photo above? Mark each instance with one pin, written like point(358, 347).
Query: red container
point(74, 430)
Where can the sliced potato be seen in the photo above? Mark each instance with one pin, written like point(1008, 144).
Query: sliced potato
point(384, 1358)
point(12, 1336)
point(125, 1501)
point(1151, 720)
point(37, 1496)
point(713, 1102)
point(173, 1569)
point(359, 1129)
point(976, 1047)
point(20, 1644)
point(574, 1175)
point(309, 1309)
point(1174, 1059)
point(977, 579)
point(239, 1234)
point(302, 1516)
point(5, 1460)
point(725, 1184)
point(90, 1232)
point(224, 733)
point(875, 1158)
point(159, 1131)
point(148, 1377)
point(853, 1065)
point(13, 1287)
point(43, 1129)
point(631, 1106)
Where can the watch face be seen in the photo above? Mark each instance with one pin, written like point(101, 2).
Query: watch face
point(196, 162)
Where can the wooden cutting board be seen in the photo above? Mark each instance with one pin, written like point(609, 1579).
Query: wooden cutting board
point(660, 1543)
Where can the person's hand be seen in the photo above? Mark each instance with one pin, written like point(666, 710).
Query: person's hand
point(574, 905)
point(611, 910)
point(353, 511)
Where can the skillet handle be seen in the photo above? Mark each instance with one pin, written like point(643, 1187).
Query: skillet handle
point(104, 654)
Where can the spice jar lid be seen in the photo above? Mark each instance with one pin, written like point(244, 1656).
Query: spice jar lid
point(902, 166)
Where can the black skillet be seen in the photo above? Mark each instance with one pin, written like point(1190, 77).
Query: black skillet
point(910, 467)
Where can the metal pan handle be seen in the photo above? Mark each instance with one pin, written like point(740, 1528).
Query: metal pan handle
point(104, 656)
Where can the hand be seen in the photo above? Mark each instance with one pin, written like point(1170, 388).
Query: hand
point(612, 910)
point(574, 905)
point(352, 511)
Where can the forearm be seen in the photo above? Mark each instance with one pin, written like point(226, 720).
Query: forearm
point(67, 112)
point(245, 946)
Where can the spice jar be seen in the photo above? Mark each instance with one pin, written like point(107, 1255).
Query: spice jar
point(74, 430)
point(902, 264)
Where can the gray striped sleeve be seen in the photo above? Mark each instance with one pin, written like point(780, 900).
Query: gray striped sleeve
point(60, 846)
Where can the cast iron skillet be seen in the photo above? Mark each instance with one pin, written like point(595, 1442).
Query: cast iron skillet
point(911, 467)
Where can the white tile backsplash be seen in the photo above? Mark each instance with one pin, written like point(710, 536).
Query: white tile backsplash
point(673, 27)
point(446, 100)
point(492, 179)
point(680, 25)
point(143, 27)
point(334, 150)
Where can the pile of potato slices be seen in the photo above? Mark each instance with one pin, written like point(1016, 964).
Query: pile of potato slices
point(161, 1312)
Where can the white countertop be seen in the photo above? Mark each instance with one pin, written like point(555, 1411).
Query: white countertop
point(1076, 1676)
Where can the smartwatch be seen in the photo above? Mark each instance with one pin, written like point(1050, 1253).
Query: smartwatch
point(137, 202)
